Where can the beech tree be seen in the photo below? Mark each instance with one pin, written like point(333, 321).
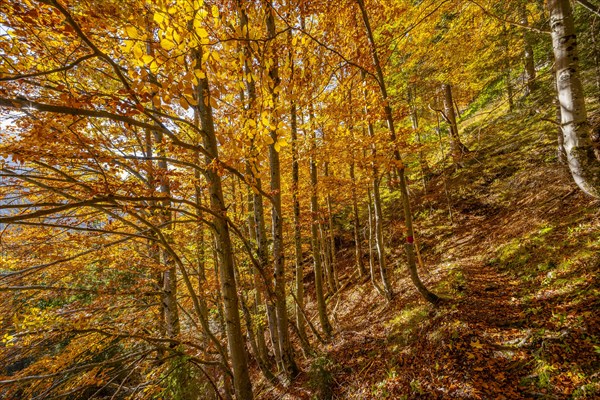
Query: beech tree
point(578, 145)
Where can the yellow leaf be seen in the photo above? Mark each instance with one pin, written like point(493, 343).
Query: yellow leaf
point(279, 144)
point(201, 32)
point(199, 74)
point(167, 44)
point(154, 67)
point(476, 344)
point(158, 18)
point(147, 59)
point(137, 52)
point(131, 32)
point(215, 11)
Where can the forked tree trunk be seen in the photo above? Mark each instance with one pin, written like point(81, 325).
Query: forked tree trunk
point(578, 145)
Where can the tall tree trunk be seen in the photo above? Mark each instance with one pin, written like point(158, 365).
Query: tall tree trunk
point(358, 251)
point(457, 148)
point(414, 120)
point(371, 255)
point(595, 29)
point(330, 239)
point(529, 64)
point(314, 229)
point(325, 256)
point(578, 145)
point(258, 215)
point(225, 378)
point(409, 245)
point(169, 278)
point(507, 68)
point(299, 284)
point(253, 234)
point(378, 212)
point(224, 250)
point(300, 321)
point(287, 352)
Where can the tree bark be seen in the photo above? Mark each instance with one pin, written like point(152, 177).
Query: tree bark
point(578, 144)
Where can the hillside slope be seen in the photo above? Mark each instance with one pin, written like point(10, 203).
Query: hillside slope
point(518, 269)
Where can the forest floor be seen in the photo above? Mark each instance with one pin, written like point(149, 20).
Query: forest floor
point(517, 267)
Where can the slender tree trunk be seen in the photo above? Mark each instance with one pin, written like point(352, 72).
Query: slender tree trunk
point(457, 148)
point(260, 232)
point(325, 257)
point(314, 229)
point(414, 120)
point(285, 345)
point(331, 239)
point(169, 278)
point(300, 321)
point(299, 284)
point(371, 253)
point(252, 231)
point(409, 245)
point(507, 68)
point(596, 50)
point(578, 145)
point(378, 212)
point(529, 64)
point(224, 250)
point(358, 251)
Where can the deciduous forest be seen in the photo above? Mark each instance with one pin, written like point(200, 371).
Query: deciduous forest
point(298, 199)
